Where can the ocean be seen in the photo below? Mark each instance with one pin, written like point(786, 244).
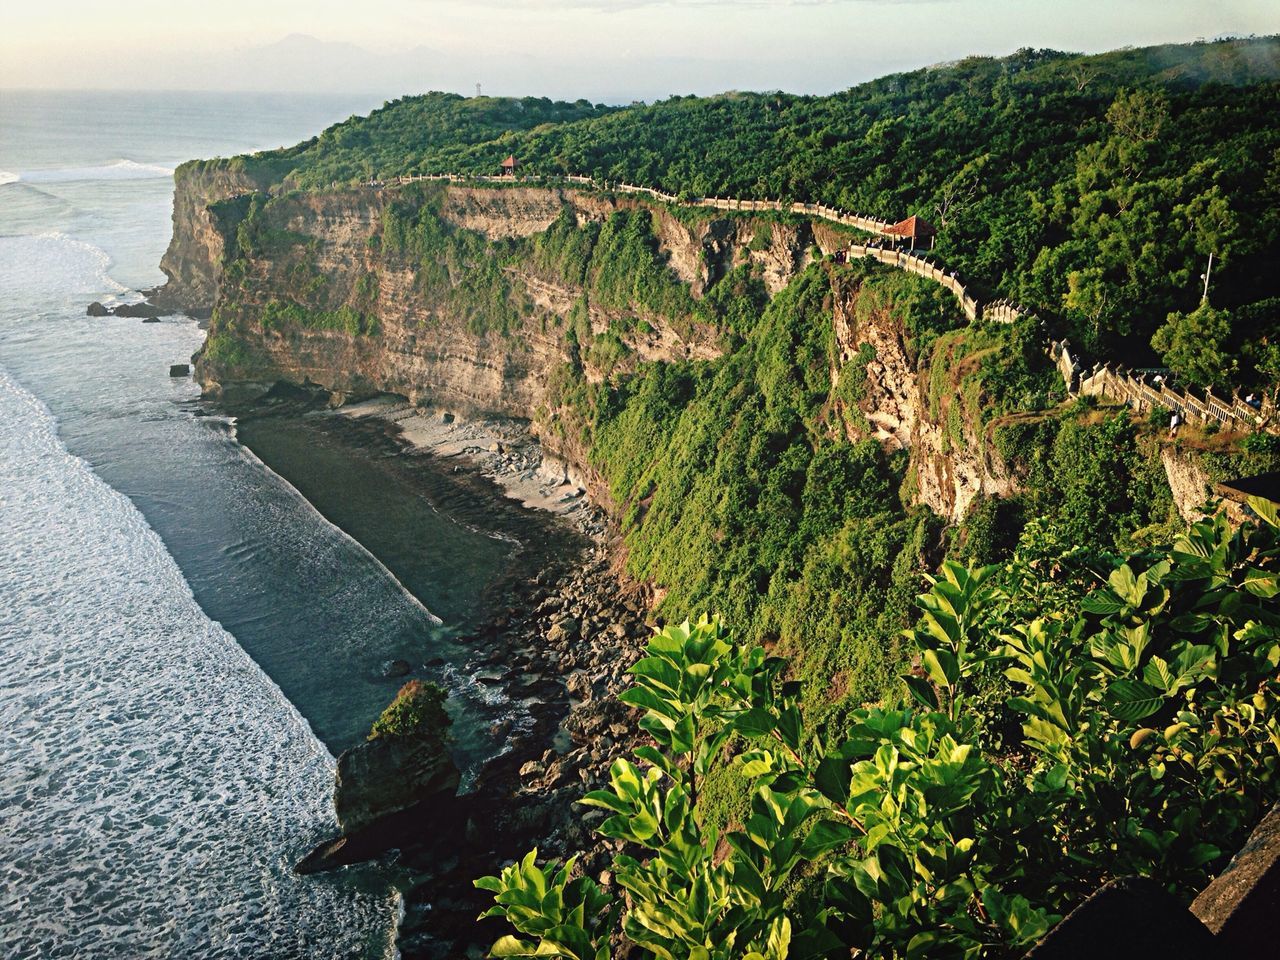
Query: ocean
point(185, 642)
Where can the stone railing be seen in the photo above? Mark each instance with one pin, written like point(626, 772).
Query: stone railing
point(1003, 311)
point(920, 266)
point(1145, 395)
point(1100, 380)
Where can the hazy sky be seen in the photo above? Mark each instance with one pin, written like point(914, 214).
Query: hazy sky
point(601, 49)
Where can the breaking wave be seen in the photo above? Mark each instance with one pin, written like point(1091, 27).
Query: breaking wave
point(117, 170)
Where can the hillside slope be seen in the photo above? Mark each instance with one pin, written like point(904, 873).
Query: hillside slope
point(787, 439)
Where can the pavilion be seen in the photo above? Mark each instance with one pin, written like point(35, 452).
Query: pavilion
point(509, 166)
point(913, 230)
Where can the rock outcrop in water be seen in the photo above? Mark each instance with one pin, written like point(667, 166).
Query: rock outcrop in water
point(389, 775)
point(387, 791)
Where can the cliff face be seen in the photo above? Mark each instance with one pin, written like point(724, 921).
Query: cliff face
point(952, 460)
point(374, 322)
point(427, 347)
point(192, 264)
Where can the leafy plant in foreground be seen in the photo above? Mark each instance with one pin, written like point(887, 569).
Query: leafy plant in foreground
point(1149, 745)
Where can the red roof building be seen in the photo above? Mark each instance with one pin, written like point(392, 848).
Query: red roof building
point(509, 165)
point(913, 229)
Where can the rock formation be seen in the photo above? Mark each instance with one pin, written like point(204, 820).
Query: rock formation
point(389, 775)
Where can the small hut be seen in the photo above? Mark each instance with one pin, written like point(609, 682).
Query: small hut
point(509, 166)
point(913, 231)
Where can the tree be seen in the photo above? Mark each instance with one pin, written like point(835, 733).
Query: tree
point(959, 192)
point(1195, 345)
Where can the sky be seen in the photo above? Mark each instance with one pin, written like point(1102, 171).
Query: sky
point(605, 50)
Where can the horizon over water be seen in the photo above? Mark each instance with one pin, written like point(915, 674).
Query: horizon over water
point(161, 772)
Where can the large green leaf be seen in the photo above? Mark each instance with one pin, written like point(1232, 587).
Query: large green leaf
point(1131, 700)
point(942, 666)
point(922, 690)
point(1266, 511)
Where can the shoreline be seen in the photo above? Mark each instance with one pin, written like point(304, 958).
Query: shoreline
point(557, 642)
point(498, 448)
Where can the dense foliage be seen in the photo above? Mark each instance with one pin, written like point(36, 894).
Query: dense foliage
point(1065, 723)
point(1092, 705)
point(741, 491)
point(439, 129)
point(1093, 189)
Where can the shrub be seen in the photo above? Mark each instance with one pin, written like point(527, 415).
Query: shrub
point(1148, 744)
point(417, 710)
point(225, 351)
point(1266, 444)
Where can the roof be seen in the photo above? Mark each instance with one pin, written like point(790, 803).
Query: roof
point(511, 161)
point(1264, 485)
point(912, 227)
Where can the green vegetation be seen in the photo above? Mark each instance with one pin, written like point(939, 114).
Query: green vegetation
point(1138, 704)
point(1092, 473)
point(226, 351)
point(1091, 188)
point(437, 132)
point(284, 314)
point(1195, 344)
point(739, 498)
point(1084, 709)
point(418, 711)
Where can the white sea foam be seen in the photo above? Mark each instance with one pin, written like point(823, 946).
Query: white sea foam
point(122, 169)
point(156, 784)
point(67, 267)
point(7, 177)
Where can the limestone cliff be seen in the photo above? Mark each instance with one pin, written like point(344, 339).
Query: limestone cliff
point(427, 346)
point(908, 407)
point(192, 264)
point(322, 289)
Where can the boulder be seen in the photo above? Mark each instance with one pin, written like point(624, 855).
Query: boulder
point(561, 630)
point(150, 319)
point(390, 774)
point(96, 309)
point(579, 685)
point(179, 369)
point(140, 309)
point(396, 668)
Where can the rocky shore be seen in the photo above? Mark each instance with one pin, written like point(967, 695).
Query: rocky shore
point(558, 643)
point(570, 644)
point(562, 642)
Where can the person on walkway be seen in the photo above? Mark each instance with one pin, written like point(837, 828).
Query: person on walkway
point(1175, 422)
point(1253, 401)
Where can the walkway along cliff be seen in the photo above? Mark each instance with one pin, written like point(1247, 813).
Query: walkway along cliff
point(324, 296)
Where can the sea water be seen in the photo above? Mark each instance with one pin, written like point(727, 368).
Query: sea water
point(181, 634)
